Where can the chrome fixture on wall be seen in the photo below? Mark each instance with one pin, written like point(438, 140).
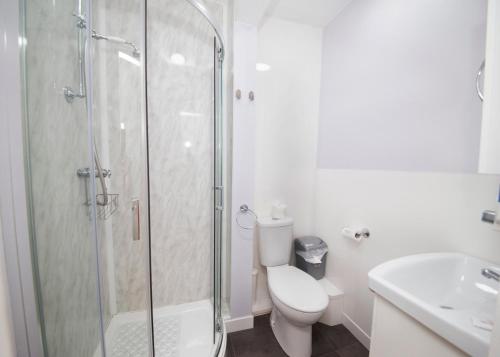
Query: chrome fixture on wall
point(69, 93)
point(85, 172)
point(489, 216)
point(135, 51)
point(106, 202)
point(251, 95)
point(81, 24)
point(480, 72)
point(244, 209)
point(489, 273)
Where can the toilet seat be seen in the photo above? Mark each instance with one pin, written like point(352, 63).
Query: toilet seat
point(296, 289)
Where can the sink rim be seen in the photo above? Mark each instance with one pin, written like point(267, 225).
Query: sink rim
point(442, 322)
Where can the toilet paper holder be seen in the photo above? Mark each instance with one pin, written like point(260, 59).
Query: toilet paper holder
point(356, 233)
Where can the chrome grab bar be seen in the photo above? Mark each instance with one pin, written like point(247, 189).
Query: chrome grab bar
point(478, 79)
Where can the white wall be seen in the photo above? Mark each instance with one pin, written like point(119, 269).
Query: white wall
point(7, 347)
point(489, 160)
point(398, 86)
point(490, 149)
point(400, 100)
point(407, 213)
point(287, 100)
point(495, 337)
point(245, 48)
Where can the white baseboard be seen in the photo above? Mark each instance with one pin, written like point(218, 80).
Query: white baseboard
point(357, 331)
point(239, 324)
point(265, 306)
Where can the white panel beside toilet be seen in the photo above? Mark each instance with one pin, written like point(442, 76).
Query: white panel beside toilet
point(333, 313)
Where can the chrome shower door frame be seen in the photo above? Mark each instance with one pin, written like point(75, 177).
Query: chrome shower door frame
point(13, 186)
point(219, 210)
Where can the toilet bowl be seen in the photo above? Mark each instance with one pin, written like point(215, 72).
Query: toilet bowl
point(298, 299)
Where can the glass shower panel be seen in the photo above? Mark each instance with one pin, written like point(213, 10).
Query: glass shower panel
point(181, 121)
point(57, 146)
point(122, 205)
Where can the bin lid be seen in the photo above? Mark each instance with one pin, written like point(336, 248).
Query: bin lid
point(308, 243)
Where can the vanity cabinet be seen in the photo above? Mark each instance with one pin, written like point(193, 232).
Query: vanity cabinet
point(397, 334)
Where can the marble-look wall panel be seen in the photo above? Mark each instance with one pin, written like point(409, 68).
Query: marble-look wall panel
point(180, 90)
point(58, 136)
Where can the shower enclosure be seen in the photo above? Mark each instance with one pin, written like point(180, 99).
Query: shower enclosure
point(124, 154)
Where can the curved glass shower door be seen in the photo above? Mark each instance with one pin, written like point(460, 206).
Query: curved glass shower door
point(119, 117)
point(60, 160)
point(125, 175)
point(86, 155)
point(185, 161)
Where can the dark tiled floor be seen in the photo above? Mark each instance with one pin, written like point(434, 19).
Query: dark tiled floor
point(327, 341)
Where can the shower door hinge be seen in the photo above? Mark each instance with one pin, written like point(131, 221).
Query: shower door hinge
point(218, 325)
point(220, 55)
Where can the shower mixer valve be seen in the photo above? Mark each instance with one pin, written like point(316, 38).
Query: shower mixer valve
point(85, 172)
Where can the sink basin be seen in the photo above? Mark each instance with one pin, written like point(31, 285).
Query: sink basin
point(446, 292)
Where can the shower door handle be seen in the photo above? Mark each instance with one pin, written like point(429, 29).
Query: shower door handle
point(136, 220)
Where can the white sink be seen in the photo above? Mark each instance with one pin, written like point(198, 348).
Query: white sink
point(445, 292)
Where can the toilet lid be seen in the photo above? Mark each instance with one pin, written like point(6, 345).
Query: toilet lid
point(296, 289)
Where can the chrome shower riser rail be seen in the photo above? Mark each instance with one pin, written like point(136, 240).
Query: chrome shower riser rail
point(69, 93)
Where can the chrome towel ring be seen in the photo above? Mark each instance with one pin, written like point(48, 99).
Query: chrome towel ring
point(245, 210)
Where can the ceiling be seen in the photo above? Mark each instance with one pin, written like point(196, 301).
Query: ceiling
point(252, 12)
point(311, 12)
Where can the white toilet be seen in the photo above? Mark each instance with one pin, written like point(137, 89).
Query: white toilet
point(298, 299)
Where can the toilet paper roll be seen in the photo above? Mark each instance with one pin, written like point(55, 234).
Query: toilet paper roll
point(278, 210)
